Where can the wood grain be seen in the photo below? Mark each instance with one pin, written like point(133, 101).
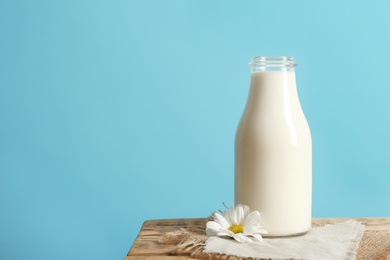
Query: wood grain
point(147, 246)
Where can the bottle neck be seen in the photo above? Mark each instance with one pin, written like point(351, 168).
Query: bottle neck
point(273, 91)
point(272, 63)
point(273, 79)
point(270, 84)
point(273, 84)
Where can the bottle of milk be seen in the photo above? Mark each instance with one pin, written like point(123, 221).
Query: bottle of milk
point(273, 150)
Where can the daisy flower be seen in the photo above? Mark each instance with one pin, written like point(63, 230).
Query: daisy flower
point(237, 222)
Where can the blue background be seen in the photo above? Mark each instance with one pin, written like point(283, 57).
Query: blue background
point(114, 112)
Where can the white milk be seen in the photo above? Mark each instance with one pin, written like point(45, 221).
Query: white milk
point(273, 154)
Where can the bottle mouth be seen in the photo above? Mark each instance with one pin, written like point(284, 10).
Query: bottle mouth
point(272, 62)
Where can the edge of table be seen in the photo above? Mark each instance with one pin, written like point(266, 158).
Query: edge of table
point(147, 247)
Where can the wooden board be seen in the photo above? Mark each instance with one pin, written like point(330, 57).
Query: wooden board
point(147, 247)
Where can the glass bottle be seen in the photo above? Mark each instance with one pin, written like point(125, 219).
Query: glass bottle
point(273, 149)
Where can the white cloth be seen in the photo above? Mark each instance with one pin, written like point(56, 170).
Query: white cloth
point(339, 241)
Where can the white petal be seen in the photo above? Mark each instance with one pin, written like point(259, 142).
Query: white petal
point(213, 225)
point(249, 230)
point(246, 210)
point(225, 232)
point(240, 214)
point(241, 238)
point(257, 236)
point(225, 214)
point(221, 220)
point(212, 228)
point(253, 219)
point(232, 216)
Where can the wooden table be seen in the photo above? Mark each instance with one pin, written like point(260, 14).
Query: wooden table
point(147, 246)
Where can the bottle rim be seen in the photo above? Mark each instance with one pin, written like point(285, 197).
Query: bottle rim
point(272, 61)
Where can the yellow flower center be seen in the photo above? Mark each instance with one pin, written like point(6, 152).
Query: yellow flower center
point(236, 228)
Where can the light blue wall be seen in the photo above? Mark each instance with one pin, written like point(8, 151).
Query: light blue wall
point(114, 112)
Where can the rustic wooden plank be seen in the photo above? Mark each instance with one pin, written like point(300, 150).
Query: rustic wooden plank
point(147, 246)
